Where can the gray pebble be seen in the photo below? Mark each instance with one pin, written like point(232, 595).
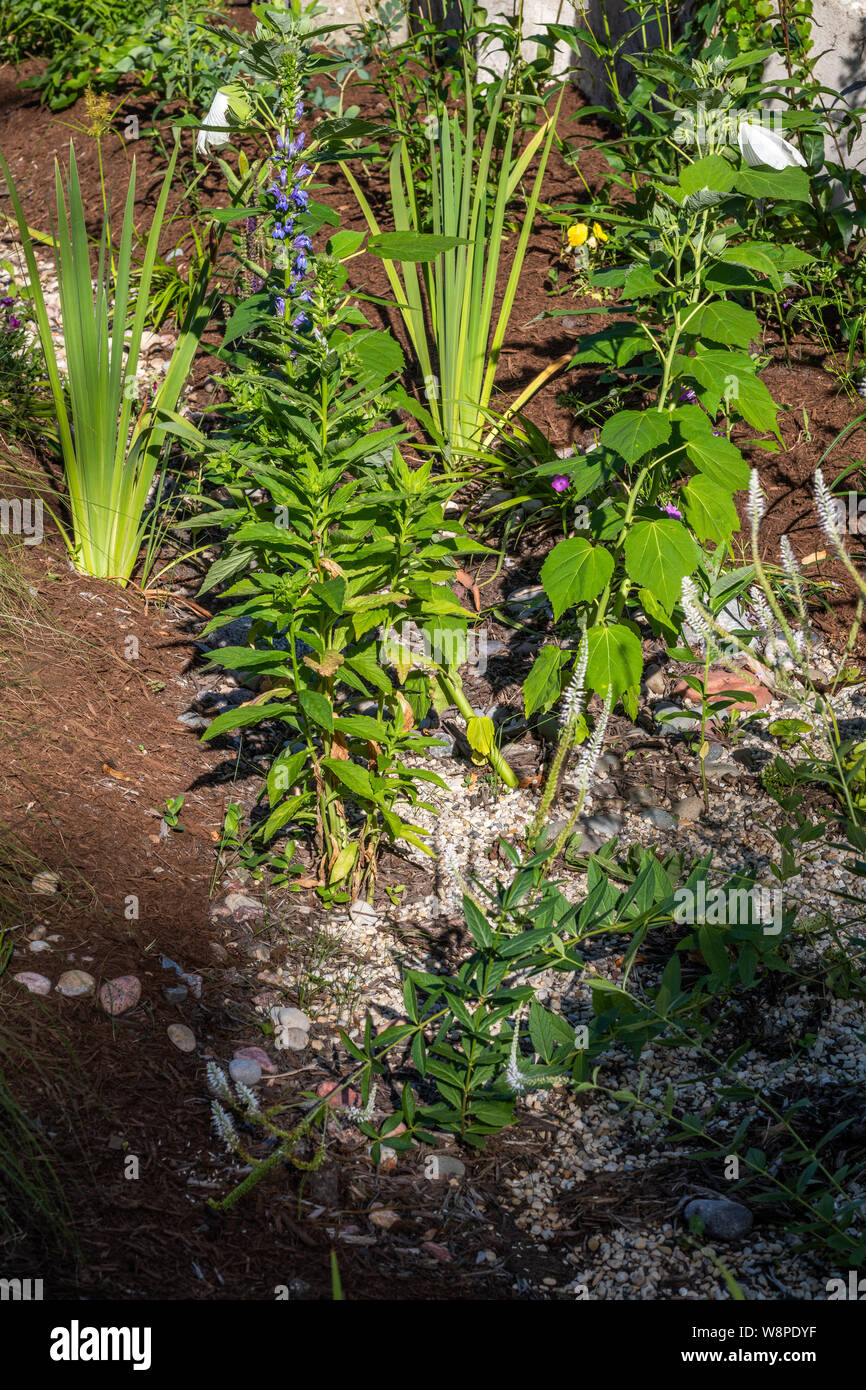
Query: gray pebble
point(245, 1070)
point(722, 1219)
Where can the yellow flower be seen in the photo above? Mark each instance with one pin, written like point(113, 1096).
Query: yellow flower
point(577, 234)
point(598, 232)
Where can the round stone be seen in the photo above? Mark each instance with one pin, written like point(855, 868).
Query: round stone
point(182, 1037)
point(256, 1054)
point(36, 984)
point(74, 983)
point(722, 1219)
point(245, 1070)
point(120, 995)
point(295, 1038)
point(291, 1018)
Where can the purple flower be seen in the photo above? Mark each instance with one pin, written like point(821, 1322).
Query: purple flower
point(670, 510)
point(301, 263)
point(299, 111)
point(280, 307)
point(279, 231)
point(306, 296)
point(300, 198)
point(302, 242)
point(7, 301)
point(688, 395)
point(13, 322)
point(301, 322)
point(559, 483)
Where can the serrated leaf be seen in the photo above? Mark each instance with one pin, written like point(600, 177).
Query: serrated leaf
point(634, 433)
point(614, 659)
point(709, 509)
point(658, 555)
point(726, 322)
point(575, 572)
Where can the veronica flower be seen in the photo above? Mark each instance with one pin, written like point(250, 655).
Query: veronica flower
point(694, 613)
point(760, 146)
point(762, 610)
point(755, 504)
point(224, 1126)
point(827, 512)
point(357, 1112)
point(218, 1082)
point(514, 1078)
point(575, 695)
point(211, 137)
point(589, 757)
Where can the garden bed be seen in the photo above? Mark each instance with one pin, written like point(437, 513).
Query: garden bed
point(128, 869)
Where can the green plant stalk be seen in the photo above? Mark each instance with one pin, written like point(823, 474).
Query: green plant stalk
point(456, 697)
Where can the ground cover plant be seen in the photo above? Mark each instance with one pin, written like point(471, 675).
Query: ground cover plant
point(431, 611)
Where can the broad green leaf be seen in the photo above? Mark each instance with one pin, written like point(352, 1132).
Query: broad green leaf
point(720, 460)
point(615, 659)
point(726, 323)
point(709, 509)
point(754, 256)
point(754, 402)
point(543, 685)
point(658, 555)
point(575, 572)
point(788, 183)
point(634, 433)
point(615, 346)
point(712, 172)
point(640, 283)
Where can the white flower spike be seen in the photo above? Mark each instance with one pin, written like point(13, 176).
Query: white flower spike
point(211, 137)
point(760, 146)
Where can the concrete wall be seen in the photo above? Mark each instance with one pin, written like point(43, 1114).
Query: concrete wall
point(839, 36)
